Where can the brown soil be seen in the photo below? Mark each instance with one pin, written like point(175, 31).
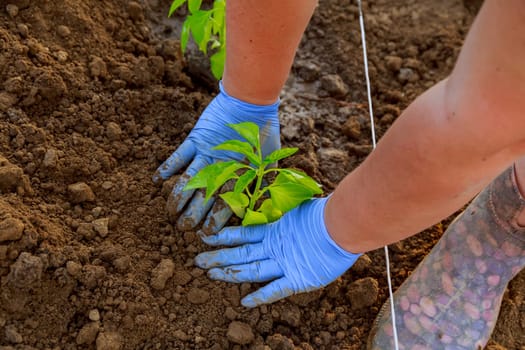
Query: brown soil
point(95, 95)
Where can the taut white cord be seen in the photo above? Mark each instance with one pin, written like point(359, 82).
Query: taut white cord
point(372, 127)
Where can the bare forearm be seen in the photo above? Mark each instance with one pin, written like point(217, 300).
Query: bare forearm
point(426, 167)
point(261, 40)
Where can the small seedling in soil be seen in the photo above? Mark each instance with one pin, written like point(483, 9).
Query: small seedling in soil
point(247, 200)
point(207, 27)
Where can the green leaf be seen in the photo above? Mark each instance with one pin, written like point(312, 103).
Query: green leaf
point(253, 218)
point(279, 154)
point(241, 147)
point(198, 25)
point(244, 181)
point(214, 176)
point(185, 35)
point(271, 213)
point(203, 45)
point(301, 178)
point(200, 180)
point(218, 16)
point(288, 195)
point(194, 5)
point(174, 6)
point(237, 202)
point(228, 172)
point(298, 177)
point(248, 130)
point(217, 62)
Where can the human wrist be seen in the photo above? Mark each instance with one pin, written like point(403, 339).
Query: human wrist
point(338, 226)
point(330, 243)
point(250, 96)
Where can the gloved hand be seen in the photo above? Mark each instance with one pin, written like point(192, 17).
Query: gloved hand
point(296, 252)
point(210, 130)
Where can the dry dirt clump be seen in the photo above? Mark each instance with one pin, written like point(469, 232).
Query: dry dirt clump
point(95, 95)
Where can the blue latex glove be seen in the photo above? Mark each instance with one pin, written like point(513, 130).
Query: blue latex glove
point(211, 129)
point(296, 252)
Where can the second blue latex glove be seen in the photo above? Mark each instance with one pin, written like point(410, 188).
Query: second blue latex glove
point(210, 130)
point(296, 253)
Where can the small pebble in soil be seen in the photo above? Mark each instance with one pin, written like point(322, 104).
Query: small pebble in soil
point(352, 128)
point(387, 119)
point(181, 335)
point(334, 85)
point(230, 313)
point(330, 155)
point(96, 212)
point(240, 333)
point(161, 274)
point(12, 10)
point(363, 293)
point(291, 314)
point(101, 226)
point(407, 75)
point(80, 192)
point(147, 131)
point(113, 131)
point(362, 264)
point(307, 70)
point(94, 315)
point(63, 31)
point(109, 341)
point(73, 268)
point(122, 264)
point(86, 231)
point(61, 56)
point(11, 229)
point(26, 271)
point(135, 11)
point(393, 63)
point(11, 176)
point(50, 159)
point(279, 341)
point(88, 333)
point(198, 296)
point(98, 68)
point(23, 30)
point(181, 278)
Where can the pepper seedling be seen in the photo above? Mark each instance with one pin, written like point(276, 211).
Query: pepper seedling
point(208, 29)
point(290, 187)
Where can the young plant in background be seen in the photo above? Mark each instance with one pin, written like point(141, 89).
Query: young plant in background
point(289, 189)
point(207, 27)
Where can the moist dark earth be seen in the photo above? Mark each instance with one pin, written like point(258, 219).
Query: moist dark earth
point(94, 95)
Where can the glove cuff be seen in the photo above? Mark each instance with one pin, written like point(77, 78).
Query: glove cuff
point(246, 107)
point(328, 239)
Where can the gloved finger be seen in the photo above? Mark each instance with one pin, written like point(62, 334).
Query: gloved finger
point(178, 197)
point(258, 271)
point(231, 256)
point(236, 235)
point(270, 293)
point(219, 214)
point(217, 217)
point(195, 211)
point(178, 159)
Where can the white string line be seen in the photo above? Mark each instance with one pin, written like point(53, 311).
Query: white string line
point(372, 127)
